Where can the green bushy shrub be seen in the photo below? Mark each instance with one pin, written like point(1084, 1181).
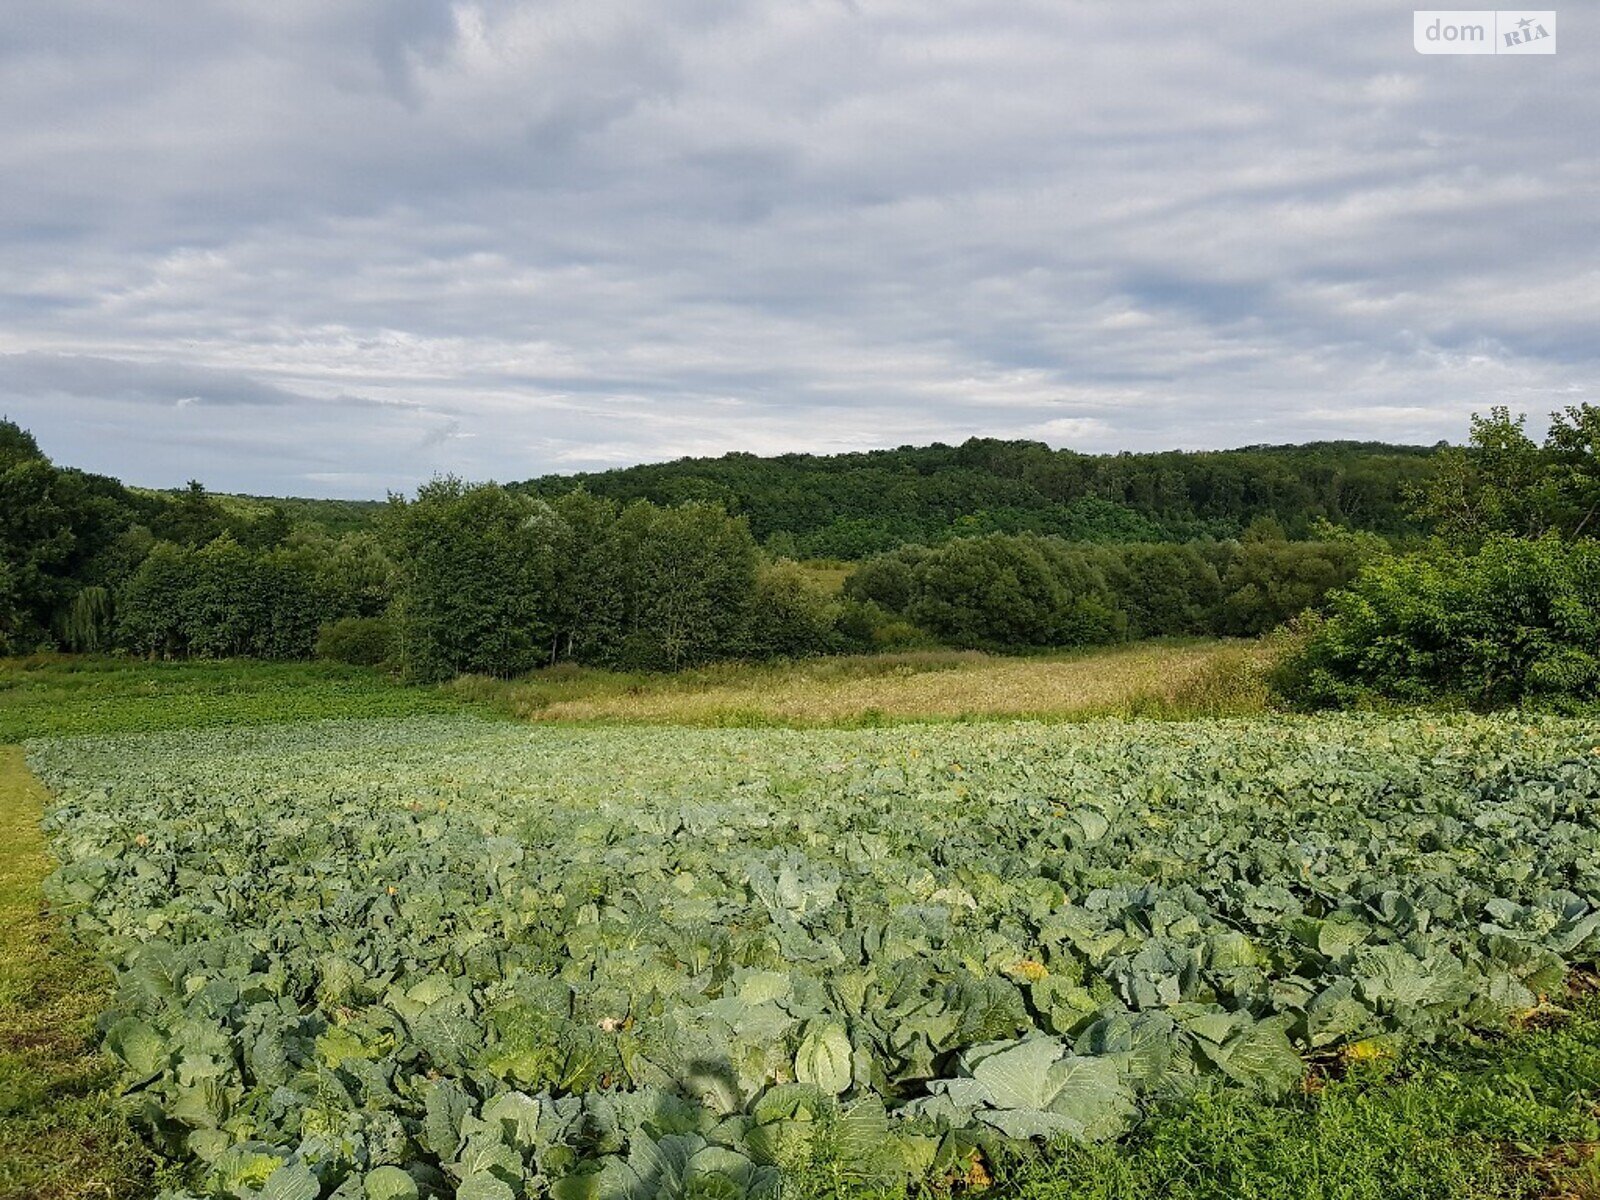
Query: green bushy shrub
point(1513, 622)
point(863, 627)
point(791, 616)
point(359, 641)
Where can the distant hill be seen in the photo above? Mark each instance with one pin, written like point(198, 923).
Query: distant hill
point(851, 505)
point(334, 516)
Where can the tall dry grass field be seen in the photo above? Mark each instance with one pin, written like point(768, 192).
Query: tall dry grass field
point(1150, 679)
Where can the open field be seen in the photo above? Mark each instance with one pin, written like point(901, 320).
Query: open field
point(1149, 679)
point(47, 695)
point(1258, 951)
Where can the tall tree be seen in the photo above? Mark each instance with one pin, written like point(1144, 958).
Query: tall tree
point(1574, 446)
point(475, 574)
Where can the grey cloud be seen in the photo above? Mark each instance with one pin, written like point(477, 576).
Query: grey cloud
point(66, 377)
point(505, 237)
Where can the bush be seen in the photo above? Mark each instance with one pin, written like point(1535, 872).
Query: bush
point(885, 581)
point(1267, 582)
point(1517, 621)
point(791, 617)
point(1013, 592)
point(359, 641)
point(866, 628)
point(1165, 589)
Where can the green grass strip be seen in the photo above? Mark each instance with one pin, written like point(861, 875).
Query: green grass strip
point(62, 1136)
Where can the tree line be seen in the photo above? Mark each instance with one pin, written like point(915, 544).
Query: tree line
point(489, 579)
point(851, 506)
point(1485, 591)
point(1009, 592)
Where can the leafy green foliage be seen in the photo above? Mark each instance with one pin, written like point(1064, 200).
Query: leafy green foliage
point(58, 532)
point(476, 578)
point(48, 696)
point(227, 600)
point(359, 641)
point(791, 617)
point(1002, 592)
point(657, 568)
point(617, 962)
point(1516, 621)
point(689, 576)
point(1013, 593)
point(1503, 484)
point(87, 627)
point(1267, 582)
point(856, 505)
point(1504, 1117)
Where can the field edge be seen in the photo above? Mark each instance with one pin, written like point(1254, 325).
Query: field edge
point(62, 1133)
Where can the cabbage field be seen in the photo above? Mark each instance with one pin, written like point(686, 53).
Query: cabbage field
point(446, 957)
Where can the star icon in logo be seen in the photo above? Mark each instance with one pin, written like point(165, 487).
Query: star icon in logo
point(1524, 23)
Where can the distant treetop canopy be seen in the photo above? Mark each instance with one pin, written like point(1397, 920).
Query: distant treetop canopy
point(855, 505)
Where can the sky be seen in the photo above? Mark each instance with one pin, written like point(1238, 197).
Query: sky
point(335, 247)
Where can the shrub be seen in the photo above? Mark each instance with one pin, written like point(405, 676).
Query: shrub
point(360, 641)
point(866, 628)
point(1516, 621)
point(791, 617)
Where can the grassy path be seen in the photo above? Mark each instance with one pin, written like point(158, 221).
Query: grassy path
point(61, 1135)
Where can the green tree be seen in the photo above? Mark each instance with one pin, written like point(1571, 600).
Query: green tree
point(192, 518)
point(1165, 589)
point(1497, 484)
point(995, 592)
point(1268, 582)
point(1516, 620)
point(11, 617)
point(1573, 444)
point(475, 575)
point(593, 574)
point(885, 580)
point(56, 527)
point(227, 603)
point(87, 626)
point(152, 610)
point(692, 574)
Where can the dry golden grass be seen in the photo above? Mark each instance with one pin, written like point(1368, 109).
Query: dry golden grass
point(1152, 679)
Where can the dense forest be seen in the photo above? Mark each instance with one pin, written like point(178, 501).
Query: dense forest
point(1467, 572)
point(852, 505)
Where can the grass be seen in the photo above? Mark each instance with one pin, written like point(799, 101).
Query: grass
point(828, 574)
point(61, 1133)
point(48, 695)
point(1148, 679)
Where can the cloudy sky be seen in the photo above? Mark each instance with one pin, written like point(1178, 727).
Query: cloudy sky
point(330, 247)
